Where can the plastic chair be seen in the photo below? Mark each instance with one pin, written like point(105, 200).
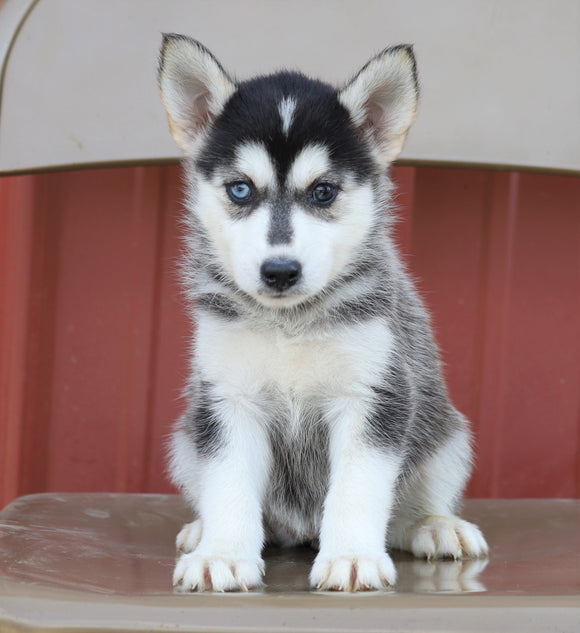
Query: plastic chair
point(78, 89)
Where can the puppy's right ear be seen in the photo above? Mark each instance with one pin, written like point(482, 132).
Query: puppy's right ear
point(194, 88)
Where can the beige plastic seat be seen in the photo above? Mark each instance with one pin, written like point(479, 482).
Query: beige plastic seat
point(103, 562)
point(499, 81)
point(78, 89)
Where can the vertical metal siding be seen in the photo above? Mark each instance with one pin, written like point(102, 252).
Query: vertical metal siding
point(15, 249)
point(497, 256)
point(94, 336)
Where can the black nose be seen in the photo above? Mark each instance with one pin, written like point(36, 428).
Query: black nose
point(280, 274)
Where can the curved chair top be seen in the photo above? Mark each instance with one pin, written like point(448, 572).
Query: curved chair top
point(500, 81)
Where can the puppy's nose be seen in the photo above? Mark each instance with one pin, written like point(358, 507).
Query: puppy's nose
point(280, 274)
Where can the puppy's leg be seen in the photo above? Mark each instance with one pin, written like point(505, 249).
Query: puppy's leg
point(426, 524)
point(230, 489)
point(352, 554)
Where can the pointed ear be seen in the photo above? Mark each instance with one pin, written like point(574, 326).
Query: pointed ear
point(382, 100)
point(194, 88)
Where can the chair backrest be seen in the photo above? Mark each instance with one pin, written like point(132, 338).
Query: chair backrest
point(500, 81)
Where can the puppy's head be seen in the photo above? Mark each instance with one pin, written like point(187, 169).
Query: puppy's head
point(285, 166)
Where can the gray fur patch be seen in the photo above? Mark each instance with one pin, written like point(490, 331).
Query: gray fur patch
point(280, 231)
point(202, 424)
point(299, 475)
point(219, 305)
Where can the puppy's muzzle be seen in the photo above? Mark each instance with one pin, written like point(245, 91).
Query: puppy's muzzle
point(280, 274)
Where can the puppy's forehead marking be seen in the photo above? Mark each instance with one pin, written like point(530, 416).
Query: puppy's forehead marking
point(311, 163)
point(286, 108)
point(253, 160)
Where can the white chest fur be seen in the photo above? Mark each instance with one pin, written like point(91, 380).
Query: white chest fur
point(246, 360)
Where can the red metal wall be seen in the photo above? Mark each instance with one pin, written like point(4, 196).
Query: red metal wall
point(93, 334)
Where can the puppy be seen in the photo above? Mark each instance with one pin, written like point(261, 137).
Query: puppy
point(317, 410)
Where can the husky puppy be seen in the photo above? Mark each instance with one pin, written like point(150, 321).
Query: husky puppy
point(317, 410)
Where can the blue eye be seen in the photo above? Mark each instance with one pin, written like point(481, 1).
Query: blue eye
point(324, 194)
point(239, 191)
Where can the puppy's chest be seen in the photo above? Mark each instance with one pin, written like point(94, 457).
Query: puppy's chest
point(299, 366)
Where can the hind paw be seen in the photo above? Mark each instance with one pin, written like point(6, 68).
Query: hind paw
point(447, 537)
point(189, 537)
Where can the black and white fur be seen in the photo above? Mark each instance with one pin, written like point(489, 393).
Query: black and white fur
point(317, 411)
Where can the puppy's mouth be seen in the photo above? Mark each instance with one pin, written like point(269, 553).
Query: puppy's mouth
point(280, 299)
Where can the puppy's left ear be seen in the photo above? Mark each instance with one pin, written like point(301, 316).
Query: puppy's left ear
point(382, 100)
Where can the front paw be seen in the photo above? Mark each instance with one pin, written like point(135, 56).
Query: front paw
point(353, 572)
point(195, 572)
